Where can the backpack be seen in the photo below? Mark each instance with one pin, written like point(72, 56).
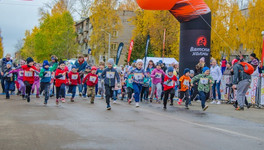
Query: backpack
point(248, 69)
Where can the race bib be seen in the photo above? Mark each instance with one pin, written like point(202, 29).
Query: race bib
point(48, 74)
point(186, 83)
point(28, 74)
point(204, 80)
point(130, 81)
point(21, 73)
point(92, 79)
point(110, 75)
point(74, 77)
point(35, 74)
point(99, 74)
point(158, 75)
point(170, 83)
point(138, 76)
point(62, 78)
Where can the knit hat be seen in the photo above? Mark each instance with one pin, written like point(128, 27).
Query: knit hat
point(73, 66)
point(29, 60)
point(139, 61)
point(45, 63)
point(191, 72)
point(158, 64)
point(61, 62)
point(170, 69)
point(202, 59)
point(9, 63)
point(253, 55)
point(160, 61)
point(186, 70)
point(234, 61)
point(94, 68)
point(111, 61)
point(205, 69)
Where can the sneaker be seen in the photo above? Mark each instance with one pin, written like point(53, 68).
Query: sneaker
point(57, 102)
point(213, 102)
point(204, 109)
point(102, 97)
point(80, 94)
point(18, 93)
point(129, 101)
point(63, 100)
point(28, 99)
point(218, 102)
point(179, 103)
point(164, 108)
point(180, 100)
point(114, 101)
point(45, 103)
point(137, 104)
point(92, 102)
point(249, 105)
point(186, 107)
point(108, 107)
point(171, 104)
point(235, 106)
point(150, 100)
point(72, 99)
point(240, 108)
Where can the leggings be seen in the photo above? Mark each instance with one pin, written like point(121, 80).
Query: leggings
point(36, 85)
point(28, 88)
point(60, 91)
point(22, 87)
point(159, 90)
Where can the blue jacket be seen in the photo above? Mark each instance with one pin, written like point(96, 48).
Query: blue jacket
point(45, 74)
point(81, 67)
point(109, 76)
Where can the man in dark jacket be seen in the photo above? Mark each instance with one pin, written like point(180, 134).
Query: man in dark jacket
point(241, 82)
point(80, 64)
point(3, 63)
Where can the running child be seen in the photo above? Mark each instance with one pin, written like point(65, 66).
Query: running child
point(60, 83)
point(36, 83)
point(145, 87)
point(109, 75)
point(205, 82)
point(184, 87)
point(9, 79)
point(100, 80)
point(91, 80)
point(85, 73)
point(169, 87)
point(129, 87)
point(45, 75)
point(74, 80)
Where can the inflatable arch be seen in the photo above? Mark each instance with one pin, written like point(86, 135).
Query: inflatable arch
point(195, 36)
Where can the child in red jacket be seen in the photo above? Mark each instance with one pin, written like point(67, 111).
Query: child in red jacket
point(74, 80)
point(61, 80)
point(28, 76)
point(91, 80)
point(169, 86)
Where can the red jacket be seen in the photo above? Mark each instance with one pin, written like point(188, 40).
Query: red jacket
point(169, 82)
point(91, 79)
point(28, 75)
point(74, 78)
point(59, 78)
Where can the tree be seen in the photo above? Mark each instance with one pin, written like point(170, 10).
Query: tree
point(1, 47)
point(105, 20)
point(252, 39)
point(128, 5)
point(55, 36)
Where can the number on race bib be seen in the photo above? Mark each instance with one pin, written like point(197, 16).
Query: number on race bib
point(62, 78)
point(158, 75)
point(110, 75)
point(92, 79)
point(74, 77)
point(138, 76)
point(28, 73)
point(186, 83)
point(48, 74)
point(204, 80)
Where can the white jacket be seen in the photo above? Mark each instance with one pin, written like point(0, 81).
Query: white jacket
point(216, 73)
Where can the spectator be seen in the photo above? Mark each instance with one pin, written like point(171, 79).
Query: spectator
point(151, 66)
point(199, 66)
point(223, 64)
point(228, 69)
point(3, 63)
point(216, 73)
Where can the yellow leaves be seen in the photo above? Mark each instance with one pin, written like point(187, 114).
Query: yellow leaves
point(130, 5)
point(1, 47)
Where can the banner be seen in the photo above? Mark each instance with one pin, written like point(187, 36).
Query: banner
point(251, 94)
point(262, 57)
point(130, 51)
point(119, 51)
point(146, 52)
point(225, 91)
point(262, 91)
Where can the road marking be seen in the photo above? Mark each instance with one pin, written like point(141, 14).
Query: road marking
point(206, 126)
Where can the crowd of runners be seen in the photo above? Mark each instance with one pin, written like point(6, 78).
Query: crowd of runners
point(155, 83)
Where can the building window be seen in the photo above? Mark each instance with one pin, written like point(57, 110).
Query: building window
point(115, 34)
point(113, 46)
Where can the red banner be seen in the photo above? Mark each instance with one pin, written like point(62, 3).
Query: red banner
point(130, 51)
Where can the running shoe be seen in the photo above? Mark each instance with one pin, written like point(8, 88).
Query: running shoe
point(63, 100)
point(204, 109)
point(213, 102)
point(57, 102)
point(108, 107)
point(137, 104)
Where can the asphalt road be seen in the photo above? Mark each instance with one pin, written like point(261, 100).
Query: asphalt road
point(80, 125)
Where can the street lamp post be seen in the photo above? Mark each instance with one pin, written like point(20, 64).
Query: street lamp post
point(262, 57)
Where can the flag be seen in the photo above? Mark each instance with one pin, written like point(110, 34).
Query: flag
point(146, 52)
point(262, 57)
point(130, 51)
point(119, 51)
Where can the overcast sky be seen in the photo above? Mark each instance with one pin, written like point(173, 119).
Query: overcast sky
point(16, 16)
